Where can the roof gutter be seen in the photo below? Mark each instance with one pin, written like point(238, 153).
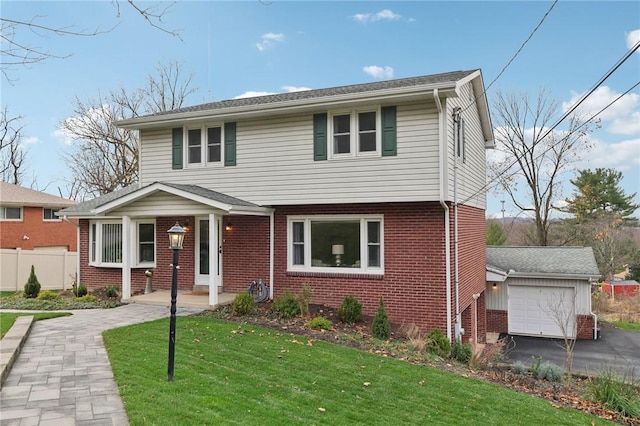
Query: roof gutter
point(283, 107)
point(443, 203)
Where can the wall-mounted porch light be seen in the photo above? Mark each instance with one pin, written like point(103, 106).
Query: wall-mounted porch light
point(228, 226)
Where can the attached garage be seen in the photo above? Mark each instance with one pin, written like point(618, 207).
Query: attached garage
point(541, 291)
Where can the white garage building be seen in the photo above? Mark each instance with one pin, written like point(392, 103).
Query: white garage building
point(541, 291)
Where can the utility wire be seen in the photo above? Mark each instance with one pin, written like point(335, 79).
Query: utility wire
point(608, 74)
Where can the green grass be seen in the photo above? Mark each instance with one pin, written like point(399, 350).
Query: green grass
point(8, 318)
point(632, 326)
point(230, 374)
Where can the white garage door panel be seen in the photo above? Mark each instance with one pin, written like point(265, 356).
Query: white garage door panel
point(541, 311)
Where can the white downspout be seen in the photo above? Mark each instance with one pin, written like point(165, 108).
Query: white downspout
point(77, 225)
point(456, 121)
point(271, 253)
point(443, 203)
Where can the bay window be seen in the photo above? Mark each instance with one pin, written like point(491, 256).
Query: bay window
point(340, 244)
point(105, 243)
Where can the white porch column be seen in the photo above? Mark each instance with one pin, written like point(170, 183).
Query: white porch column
point(126, 257)
point(271, 252)
point(214, 249)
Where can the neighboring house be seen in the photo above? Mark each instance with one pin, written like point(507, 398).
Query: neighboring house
point(541, 291)
point(29, 221)
point(350, 189)
point(618, 288)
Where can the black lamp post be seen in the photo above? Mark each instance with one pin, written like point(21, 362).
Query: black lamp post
point(176, 237)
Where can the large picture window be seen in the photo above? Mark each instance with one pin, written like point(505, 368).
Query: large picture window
point(336, 244)
point(105, 243)
point(355, 133)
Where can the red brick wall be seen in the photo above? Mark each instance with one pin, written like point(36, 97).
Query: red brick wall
point(41, 233)
point(497, 321)
point(472, 268)
point(585, 327)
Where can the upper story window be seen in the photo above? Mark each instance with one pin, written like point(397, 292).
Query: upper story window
point(204, 145)
point(105, 243)
point(342, 244)
point(355, 133)
point(10, 213)
point(50, 214)
point(460, 139)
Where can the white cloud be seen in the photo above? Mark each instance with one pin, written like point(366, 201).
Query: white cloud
point(622, 156)
point(31, 140)
point(268, 40)
point(622, 117)
point(286, 89)
point(633, 37)
point(383, 15)
point(378, 72)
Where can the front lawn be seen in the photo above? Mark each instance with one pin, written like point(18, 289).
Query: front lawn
point(622, 325)
point(227, 373)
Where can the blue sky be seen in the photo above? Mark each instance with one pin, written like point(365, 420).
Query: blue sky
point(235, 48)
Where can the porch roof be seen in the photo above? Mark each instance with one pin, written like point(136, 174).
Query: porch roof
point(105, 204)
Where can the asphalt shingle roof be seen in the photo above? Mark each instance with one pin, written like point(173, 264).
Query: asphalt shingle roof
point(14, 195)
point(544, 260)
point(88, 206)
point(427, 80)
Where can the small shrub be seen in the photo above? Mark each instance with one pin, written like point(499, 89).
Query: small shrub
point(87, 298)
point(438, 344)
point(381, 328)
point(48, 295)
point(535, 365)
point(79, 290)
point(518, 367)
point(32, 286)
point(550, 372)
point(243, 304)
point(304, 298)
point(111, 291)
point(462, 352)
point(320, 323)
point(619, 394)
point(415, 336)
point(350, 310)
point(286, 306)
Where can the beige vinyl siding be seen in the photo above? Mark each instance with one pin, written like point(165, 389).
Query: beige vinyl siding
point(497, 298)
point(161, 204)
point(471, 173)
point(275, 164)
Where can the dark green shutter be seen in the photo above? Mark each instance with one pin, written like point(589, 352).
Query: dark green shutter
point(319, 137)
point(176, 148)
point(229, 144)
point(389, 134)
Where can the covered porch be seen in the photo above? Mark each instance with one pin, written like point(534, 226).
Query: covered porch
point(185, 299)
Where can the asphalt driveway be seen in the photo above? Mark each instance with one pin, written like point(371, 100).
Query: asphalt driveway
point(617, 349)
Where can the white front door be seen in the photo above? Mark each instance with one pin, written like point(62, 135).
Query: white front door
point(204, 251)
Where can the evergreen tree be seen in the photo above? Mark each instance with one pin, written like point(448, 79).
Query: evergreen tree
point(495, 234)
point(32, 286)
point(381, 328)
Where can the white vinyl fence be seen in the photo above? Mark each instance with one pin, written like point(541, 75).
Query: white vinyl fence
point(55, 269)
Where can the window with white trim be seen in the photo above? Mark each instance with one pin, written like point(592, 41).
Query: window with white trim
point(204, 145)
point(50, 214)
point(355, 133)
point(10, 213)
point(343, 244)
point(105, 243)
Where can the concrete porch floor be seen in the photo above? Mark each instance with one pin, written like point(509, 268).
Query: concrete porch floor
point(185, 299)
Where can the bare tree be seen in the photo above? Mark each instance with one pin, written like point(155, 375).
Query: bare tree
point(563, 312)
point(103, 157)
point(15, 52)
point(532, 159)
point(12, 152)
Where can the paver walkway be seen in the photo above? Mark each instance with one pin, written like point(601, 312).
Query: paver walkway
point(63, 376)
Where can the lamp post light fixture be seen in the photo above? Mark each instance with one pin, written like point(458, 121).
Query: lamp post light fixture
point(176, 238)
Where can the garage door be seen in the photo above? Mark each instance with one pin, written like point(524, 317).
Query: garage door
point(541, 311)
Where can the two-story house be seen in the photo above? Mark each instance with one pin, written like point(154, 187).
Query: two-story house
point(29, 220)
point(372, 190)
